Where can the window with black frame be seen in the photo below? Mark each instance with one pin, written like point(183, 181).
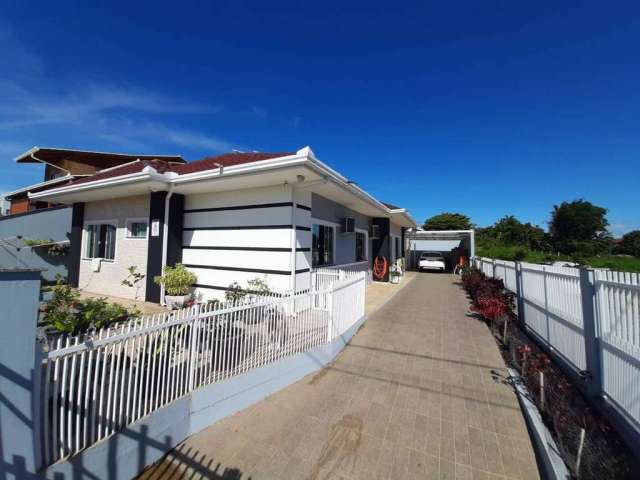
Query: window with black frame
point(322, 245)
point(101, 241)
point(361, 247)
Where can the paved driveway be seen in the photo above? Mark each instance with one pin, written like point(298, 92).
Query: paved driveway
point(412, 396)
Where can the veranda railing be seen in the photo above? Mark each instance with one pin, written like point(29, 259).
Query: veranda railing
point(98, 383)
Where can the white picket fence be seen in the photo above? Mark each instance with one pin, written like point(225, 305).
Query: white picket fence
point(618, 314)
point(98, 383)
point(553, 303)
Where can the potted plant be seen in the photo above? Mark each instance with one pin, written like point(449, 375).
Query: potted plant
point(177, 282)
point(394, 274)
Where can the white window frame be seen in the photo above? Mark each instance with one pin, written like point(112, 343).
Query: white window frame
point(85, 238)
point(366, 243)
point(335, 227)
point(129, 221)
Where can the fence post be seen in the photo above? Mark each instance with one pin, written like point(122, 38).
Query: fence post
point(591, 340)
point(20, 448)
point(330, 311)
point(193, 346)
point(493, 267)
point(519, 293)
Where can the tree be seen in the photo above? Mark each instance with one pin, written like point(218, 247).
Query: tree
point(630, 244)
point(510, 231)
point(579, 228)
point(448, 221)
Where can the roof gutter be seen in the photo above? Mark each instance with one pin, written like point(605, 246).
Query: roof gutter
point(148, 174)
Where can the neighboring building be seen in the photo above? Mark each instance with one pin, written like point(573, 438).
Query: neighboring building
point(26, 219)
point(229, 218)
point(5, 205)
point(63, 166)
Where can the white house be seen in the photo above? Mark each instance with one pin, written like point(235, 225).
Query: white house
point(229, 218)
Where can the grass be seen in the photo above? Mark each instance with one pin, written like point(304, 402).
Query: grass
point(617, 263)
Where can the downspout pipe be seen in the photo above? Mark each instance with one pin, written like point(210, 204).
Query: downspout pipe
point(165, 238)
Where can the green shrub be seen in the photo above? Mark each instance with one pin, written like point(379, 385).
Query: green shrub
point(176, 280)
point(66, 313)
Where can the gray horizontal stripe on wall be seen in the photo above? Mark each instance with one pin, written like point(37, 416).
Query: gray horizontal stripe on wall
point(247, 249)
point(250, 270)
point(246, 227)
point(240, 207)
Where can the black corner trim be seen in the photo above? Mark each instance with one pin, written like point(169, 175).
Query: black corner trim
point(304, 229)
point(75, 241)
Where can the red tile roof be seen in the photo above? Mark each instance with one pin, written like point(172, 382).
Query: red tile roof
point(207, 163)
point(390, 206)
point(227, 160)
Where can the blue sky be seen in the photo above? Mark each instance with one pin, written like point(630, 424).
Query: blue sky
point(486, 108)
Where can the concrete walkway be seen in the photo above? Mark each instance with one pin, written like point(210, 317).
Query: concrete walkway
point(412, 396)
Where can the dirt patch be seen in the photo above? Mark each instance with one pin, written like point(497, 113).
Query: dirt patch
point(339, 452)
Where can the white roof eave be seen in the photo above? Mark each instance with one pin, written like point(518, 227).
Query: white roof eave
point(304, 157)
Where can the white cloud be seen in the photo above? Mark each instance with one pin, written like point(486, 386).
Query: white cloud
point(23, 108)
point(37, 109)
point(182, 137)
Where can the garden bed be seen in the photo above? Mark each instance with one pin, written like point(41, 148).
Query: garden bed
point(589, 445)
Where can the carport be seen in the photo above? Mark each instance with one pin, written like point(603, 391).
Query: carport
point(450, 243)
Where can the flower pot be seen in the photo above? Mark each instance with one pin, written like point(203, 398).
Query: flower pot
point(394, 278)
point(176, 301)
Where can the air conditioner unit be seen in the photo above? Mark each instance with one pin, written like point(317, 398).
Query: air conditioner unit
point(348, 225)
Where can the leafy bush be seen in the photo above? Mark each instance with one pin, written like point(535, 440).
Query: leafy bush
point(256, 286)
point(54, 248)
point(490, 299)
point(176, 280)
point(67, 313)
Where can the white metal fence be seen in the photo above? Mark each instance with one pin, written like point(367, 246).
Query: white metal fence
point(557, 305)
point(322, 276)
point(98, 383)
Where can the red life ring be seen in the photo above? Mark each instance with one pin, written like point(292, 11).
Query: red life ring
point(380, 267)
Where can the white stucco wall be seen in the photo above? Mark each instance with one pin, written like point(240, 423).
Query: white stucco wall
point(241, 235)
point(129, 251)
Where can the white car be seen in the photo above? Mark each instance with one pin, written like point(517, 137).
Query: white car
point(432, 261)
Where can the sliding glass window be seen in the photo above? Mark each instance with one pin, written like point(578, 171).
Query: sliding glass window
point(101, 241)
point(322, 245)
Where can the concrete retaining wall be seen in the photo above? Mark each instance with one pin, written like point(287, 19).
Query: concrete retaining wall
point(52, 223)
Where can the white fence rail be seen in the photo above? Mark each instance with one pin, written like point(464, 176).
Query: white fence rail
point(97, 384)
point(558, 302)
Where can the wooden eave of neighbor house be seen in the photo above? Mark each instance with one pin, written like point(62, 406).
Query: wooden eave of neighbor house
point(301, 170)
